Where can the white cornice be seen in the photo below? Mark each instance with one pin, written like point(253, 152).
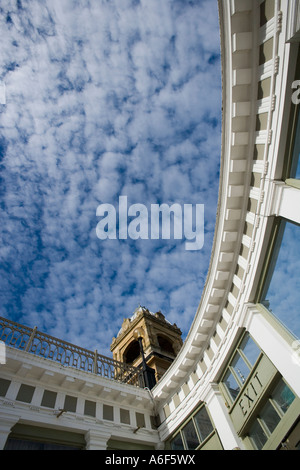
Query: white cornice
point(233, 195)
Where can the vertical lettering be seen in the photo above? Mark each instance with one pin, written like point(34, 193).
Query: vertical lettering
point(242, 407)
point(198, 233)
point(253, 389)
point(141, 222)
point(106, 228)
point(123, 217)
point(249, 398)
point(256, 376)
point(296, 94)
point(165, 212)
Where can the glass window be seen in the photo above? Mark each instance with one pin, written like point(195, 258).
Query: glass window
point(25, 444)
point(270, 417)
point(25, 393)
point(271, 414)
point(283, 396)
point(231, 385)
point(250, 350)
point(108, 412)
point(4, 384)
point(241, 365)
point(140, 420)
point(176, 443)
point(295, 170)
point(298, 168)
point(49, 399)
point(282, 292)
point(190, 436)
point(197, 429)
point(258, 436)
point(240, 368)
point(90, 408)
point(70, 403)
point(203, 424)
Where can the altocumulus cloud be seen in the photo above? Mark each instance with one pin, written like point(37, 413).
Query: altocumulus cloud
point(104, 99)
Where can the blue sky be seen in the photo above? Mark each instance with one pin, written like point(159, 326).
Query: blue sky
point(104, 98)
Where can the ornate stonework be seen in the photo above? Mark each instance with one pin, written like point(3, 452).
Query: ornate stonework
point(161, 340)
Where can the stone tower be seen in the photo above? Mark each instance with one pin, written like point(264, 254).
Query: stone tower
point(150, 335)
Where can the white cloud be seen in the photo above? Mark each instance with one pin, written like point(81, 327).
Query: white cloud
point(104, 99)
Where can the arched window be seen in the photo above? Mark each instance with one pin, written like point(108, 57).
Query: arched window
point(132, 352)
point(165, 345)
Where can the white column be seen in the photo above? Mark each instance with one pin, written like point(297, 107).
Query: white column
point(284, 355)
point(6, 424)
point(96, 440)
point(221, 419)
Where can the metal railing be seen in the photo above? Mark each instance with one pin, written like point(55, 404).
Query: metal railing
point(43, 345)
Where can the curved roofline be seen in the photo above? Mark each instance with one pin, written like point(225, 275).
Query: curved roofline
point(231, 210)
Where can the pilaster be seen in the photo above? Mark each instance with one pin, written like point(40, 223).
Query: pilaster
point(6, 424)
point(219, 413)
point(96, 440)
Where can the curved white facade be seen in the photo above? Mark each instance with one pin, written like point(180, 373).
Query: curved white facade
point(252, 196)
point(260, 62)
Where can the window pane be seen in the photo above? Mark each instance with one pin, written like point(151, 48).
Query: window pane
point(176, 443)
point(108, 412)
point(283, 396)
point(250, 349)
point(240, 368)
point(298, 168)
point(295, 170)
point(231, 385)
point(49, 399)
point(25, 393)
point(4, 384)
point(70, 403)
point(90, 408)
point(190, 436)
point(283, 295)
point(270, 417)
point(203, 423)
point(257, 436)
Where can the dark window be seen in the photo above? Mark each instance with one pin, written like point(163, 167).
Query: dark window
point(25, 393)
point(24, 444)
point(4, 384)
point(190, 436)
point(270, 415)
point(203, 424)
point(140, 420)
point(49, 399)
point(124, 416)
point(177, 443)
point(108, 412)
point(194, 432)
point(132, 352)
point(70, 403)
point(165, 344)
point(90, 408)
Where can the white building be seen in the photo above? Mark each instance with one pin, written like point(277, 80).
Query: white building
point(235, 382)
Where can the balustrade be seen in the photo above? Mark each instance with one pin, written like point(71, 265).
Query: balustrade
point(43, 345)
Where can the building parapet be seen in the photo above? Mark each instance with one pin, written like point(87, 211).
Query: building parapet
point(43, 345)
